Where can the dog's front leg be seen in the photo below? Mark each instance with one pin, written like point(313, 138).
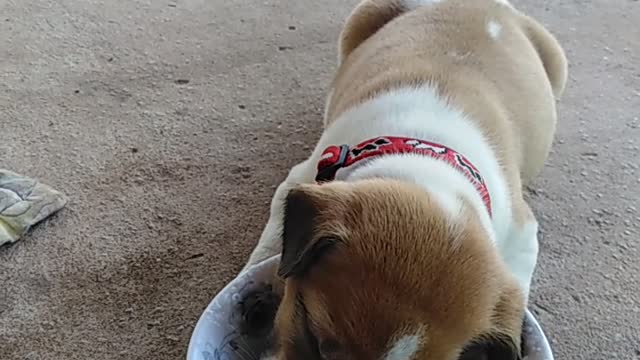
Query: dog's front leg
point(270, 242)
point(520, 251)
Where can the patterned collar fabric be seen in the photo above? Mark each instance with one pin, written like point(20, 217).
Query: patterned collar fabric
point(335, 158)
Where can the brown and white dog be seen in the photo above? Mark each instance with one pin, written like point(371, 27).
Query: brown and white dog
point(423, 246)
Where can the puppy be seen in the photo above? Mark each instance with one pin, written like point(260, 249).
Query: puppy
point(405, 234)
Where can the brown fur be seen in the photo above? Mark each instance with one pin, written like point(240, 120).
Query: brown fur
point(367, 262)
point(398, 265)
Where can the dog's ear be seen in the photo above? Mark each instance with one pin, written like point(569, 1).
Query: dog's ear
point(492, 347)
point(302, 247)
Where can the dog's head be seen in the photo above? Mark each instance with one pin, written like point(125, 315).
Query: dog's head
point(378, 269)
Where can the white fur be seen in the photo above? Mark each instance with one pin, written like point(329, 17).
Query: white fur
point(418, 113)
point(405, 347)
point(494, 29)
point(521, 253)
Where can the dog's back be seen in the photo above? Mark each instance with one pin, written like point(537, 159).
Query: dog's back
point(484, 57)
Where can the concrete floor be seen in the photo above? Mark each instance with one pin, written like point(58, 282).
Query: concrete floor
point(163, 121)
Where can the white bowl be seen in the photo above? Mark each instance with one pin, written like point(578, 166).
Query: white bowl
point(536, 345)
point(217, 336)
point(217, 333)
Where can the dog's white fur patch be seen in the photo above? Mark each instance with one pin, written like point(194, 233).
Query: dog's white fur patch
point(405, 347)
point(521, 253)
point(494, 29)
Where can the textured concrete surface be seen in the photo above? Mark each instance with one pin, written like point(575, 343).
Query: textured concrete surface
point(164, 120)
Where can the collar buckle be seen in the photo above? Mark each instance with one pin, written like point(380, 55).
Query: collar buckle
point(328, 168)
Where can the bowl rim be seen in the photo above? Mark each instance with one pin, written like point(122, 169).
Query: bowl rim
point(195, 342)
point(533, 326)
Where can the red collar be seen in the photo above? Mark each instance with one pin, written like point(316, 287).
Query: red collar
point(335, 158)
